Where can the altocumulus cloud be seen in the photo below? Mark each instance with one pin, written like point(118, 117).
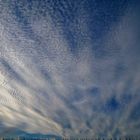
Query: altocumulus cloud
point(70, 68)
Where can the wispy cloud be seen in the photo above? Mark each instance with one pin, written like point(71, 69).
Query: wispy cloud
point(46, 86)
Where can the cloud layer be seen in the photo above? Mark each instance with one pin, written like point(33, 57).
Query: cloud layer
point(59, 75)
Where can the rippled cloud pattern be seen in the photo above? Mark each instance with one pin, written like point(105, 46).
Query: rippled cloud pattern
point(70, 67)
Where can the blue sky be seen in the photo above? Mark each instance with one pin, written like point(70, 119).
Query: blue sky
point(70, 68)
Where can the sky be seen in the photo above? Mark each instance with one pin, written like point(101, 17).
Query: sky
point(70, 68)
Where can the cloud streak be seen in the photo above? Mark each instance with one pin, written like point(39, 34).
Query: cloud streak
point(68, 85)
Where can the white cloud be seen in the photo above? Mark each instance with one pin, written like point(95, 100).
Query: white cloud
point(50, 89)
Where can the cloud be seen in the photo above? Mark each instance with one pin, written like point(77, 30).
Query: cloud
point(47, 87)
